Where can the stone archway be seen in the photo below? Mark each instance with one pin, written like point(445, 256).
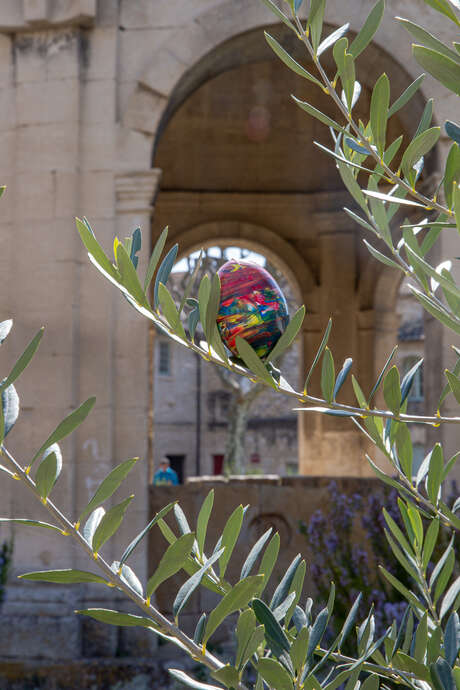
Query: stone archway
point(233, 148)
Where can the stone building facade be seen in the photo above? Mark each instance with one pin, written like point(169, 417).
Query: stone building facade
point(142, 112)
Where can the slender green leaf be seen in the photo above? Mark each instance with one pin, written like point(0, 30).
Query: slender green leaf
point(452, 129)
point(452, 638)
point(433, 308)
point(318, 114)
point(273, 630)
point(164, 272)
point(368, 30)
point(381, 257)
point(110, 523)
point(402, 589)
point(237, 598)
point(108, 487)
point(181, 520)
point(419, 147)
point(393, 199)
point(129, 277)
point(359, 220)
point(5, 328)
point(190, 284)
point(452, 172)
point(63, 577)
point(154, 259)
point(212, 307)
point(454, 383)
point(244, 631)
point(328, 375)
point(92, 524)
point(254, 554)
point(48, 471)
point(450, 598)
point(94, 249)
point(275, 674)
point(199, 630)
point(282, 590)
point(298, 652)
point(269, 558)
point(183, 677)
point(315, 21)
point(128, 576)
point(289, 61)
point(349, 621)
point(398, 534)
point(435, 474)
point(360, 397)
point(445, 8)
point(30, 523)
point(253, 361)
point(406, 95)
point(117, 618)
point(230, 536)
point(382, 374)
point(170, 311)
point(440, 564)
point(10, 410)
point(203, 519)
point(227, 675)
point(351, 184)
point(296, 588)
point(317, 631)
point(380, 103)
point(441, 673)
point(23, 360)
point(444, 576)
point(430, 542)
point(171, 562)
point(332, 39)
point(192, 583)
point(425, 120)
point(136, 244)
point(392, 390)
point(427, 39)
point(277, 12)
point(69, 424)
point(442, 68)
point(292, 329)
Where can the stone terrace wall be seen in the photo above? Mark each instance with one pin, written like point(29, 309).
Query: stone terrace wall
point(278, 502)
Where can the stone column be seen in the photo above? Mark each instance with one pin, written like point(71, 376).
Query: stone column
point(328, 445)
point(132, 391)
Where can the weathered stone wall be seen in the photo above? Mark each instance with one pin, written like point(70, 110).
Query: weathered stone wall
point(277, 502)
point(86, 89)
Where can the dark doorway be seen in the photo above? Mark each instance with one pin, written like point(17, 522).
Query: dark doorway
point(177, 464)
point(218, 464)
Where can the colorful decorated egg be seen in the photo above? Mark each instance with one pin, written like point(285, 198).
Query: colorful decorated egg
point(252, 306)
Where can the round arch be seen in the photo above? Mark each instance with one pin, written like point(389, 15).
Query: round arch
point(210, 45)
point(232, 233)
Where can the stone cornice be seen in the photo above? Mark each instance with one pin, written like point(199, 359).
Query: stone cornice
point(26, 15)
point(136, 190)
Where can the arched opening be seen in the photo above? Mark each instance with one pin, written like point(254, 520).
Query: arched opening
point(228, 425)
point(236, 151)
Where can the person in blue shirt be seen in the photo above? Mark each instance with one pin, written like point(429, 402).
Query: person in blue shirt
point(165, 475)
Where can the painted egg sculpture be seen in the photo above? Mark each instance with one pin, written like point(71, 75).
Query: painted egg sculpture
point(252, 306)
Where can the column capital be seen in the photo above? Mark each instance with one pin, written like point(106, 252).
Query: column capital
point(136, 190)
